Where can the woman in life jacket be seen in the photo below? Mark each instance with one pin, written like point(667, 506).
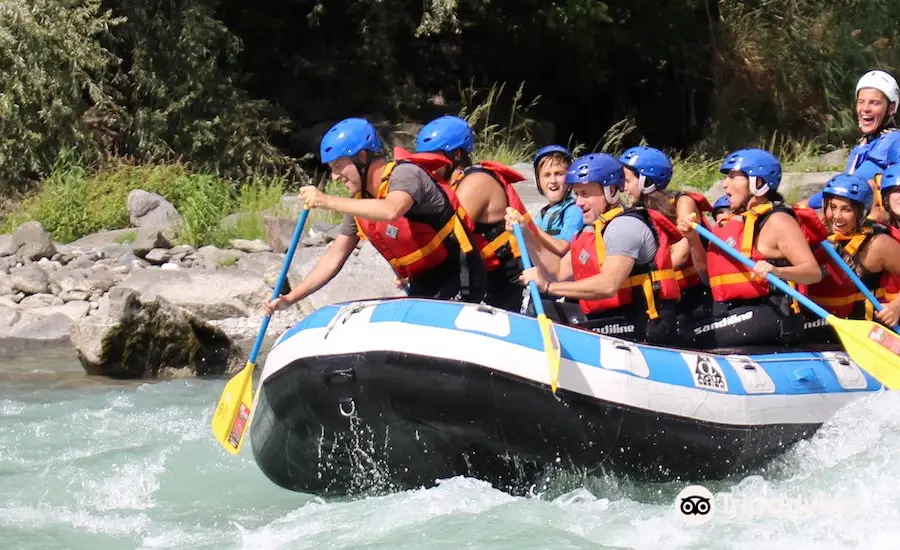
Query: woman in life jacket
point(877, 98)
point(485, 190)
point(746, 310)
point(721, 210)
point(408, 213)
point(648, 172)
point(561, 219)
point(866, 247)
point(619, 267)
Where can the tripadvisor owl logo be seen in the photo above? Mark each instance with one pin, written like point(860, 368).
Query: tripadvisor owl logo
point(695, 505)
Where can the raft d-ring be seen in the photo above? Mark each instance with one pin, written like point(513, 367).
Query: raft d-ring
point(349, 410)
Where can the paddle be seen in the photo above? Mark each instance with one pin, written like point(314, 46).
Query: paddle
point(839, 261)
point(230, 421)
point(869, 345)
point(551, 342)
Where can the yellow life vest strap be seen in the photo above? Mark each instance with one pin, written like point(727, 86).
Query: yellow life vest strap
point(454, 225)
point(751, 216)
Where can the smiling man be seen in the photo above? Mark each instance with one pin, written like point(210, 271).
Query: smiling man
point(403, 207)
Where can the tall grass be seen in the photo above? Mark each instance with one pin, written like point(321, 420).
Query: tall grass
point(508, 140)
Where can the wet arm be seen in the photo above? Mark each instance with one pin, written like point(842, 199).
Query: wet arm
point(388, 209)
point(325, 269)
point(791, 242)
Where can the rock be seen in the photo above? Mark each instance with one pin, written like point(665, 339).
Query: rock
point(150, 210)
point(7, 247)
point(214, 257)
point(7, 302)
point(157, 256)
point(180, 252)
point(169, 266)
point(32, 242)
point(82, 262)
point(49, 264)
point(6, 286)
point(73, 310)
point(43, 328)
point(39, 300)
point(209, 295)
point(145, 337)
point(103, 239)
point(364, 275)
point(18, 297)
point(74, 295)
point(147, 240)
point(30, 280)
point(279, 232)
point(249, 246)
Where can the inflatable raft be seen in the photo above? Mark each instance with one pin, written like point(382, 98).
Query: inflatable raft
point(397, 393)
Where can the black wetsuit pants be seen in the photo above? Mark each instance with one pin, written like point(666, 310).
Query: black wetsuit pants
point(768, 321)
point(627, 322)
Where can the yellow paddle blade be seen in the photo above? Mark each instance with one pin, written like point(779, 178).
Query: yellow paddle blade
point(233, 411)
point(551, 348)
point(873, 347)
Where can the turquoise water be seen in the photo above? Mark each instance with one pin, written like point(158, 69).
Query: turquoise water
point(89, 463)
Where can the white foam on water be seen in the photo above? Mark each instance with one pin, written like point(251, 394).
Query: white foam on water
point(138, 465)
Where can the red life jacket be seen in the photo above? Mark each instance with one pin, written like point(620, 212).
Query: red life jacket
point(687, 275)
point(836, 292)
point(416, 244)
point(890, 282)
point(646, 283)
point(729, 279)
point(497, 246)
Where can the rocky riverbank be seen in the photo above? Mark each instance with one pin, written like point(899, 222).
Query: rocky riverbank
point(73, 293)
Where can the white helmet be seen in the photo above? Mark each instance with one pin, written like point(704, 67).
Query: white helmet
point(884, 83)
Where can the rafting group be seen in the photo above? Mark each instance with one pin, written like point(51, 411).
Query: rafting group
point(613, 251)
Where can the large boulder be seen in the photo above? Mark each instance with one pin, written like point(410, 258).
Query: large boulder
point(209, 295)
point(32, 242)
point(152, 211)
point(149, 337)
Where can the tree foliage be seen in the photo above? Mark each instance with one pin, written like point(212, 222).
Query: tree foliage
point(239, 88)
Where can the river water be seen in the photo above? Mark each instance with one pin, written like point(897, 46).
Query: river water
point(89, 463)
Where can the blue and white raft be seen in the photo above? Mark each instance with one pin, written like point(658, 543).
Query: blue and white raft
point(398, 393)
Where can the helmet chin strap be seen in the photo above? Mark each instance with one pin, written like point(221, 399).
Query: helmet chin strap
point(647, 187)
point(363, 169)
point(612, 194)
point(757, 191)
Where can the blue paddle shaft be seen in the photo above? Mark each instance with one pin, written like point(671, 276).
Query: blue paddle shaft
point(829, 248)
point(526, 263)
point(786, 288)
point(288, 256)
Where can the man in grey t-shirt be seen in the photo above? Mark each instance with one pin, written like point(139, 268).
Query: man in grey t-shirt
point(630, 246)
point(353, 151)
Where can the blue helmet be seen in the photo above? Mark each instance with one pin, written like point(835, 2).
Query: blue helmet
point(651, 163)
point(596, 168)
point(756, 163)
point(890, 179)
point(549, 150)
point(347, 138)
point(721, 202)
point(446, 133)
point(815, 201)
point(850, 187)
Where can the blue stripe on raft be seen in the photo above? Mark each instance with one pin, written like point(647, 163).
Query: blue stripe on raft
point(793, 373)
